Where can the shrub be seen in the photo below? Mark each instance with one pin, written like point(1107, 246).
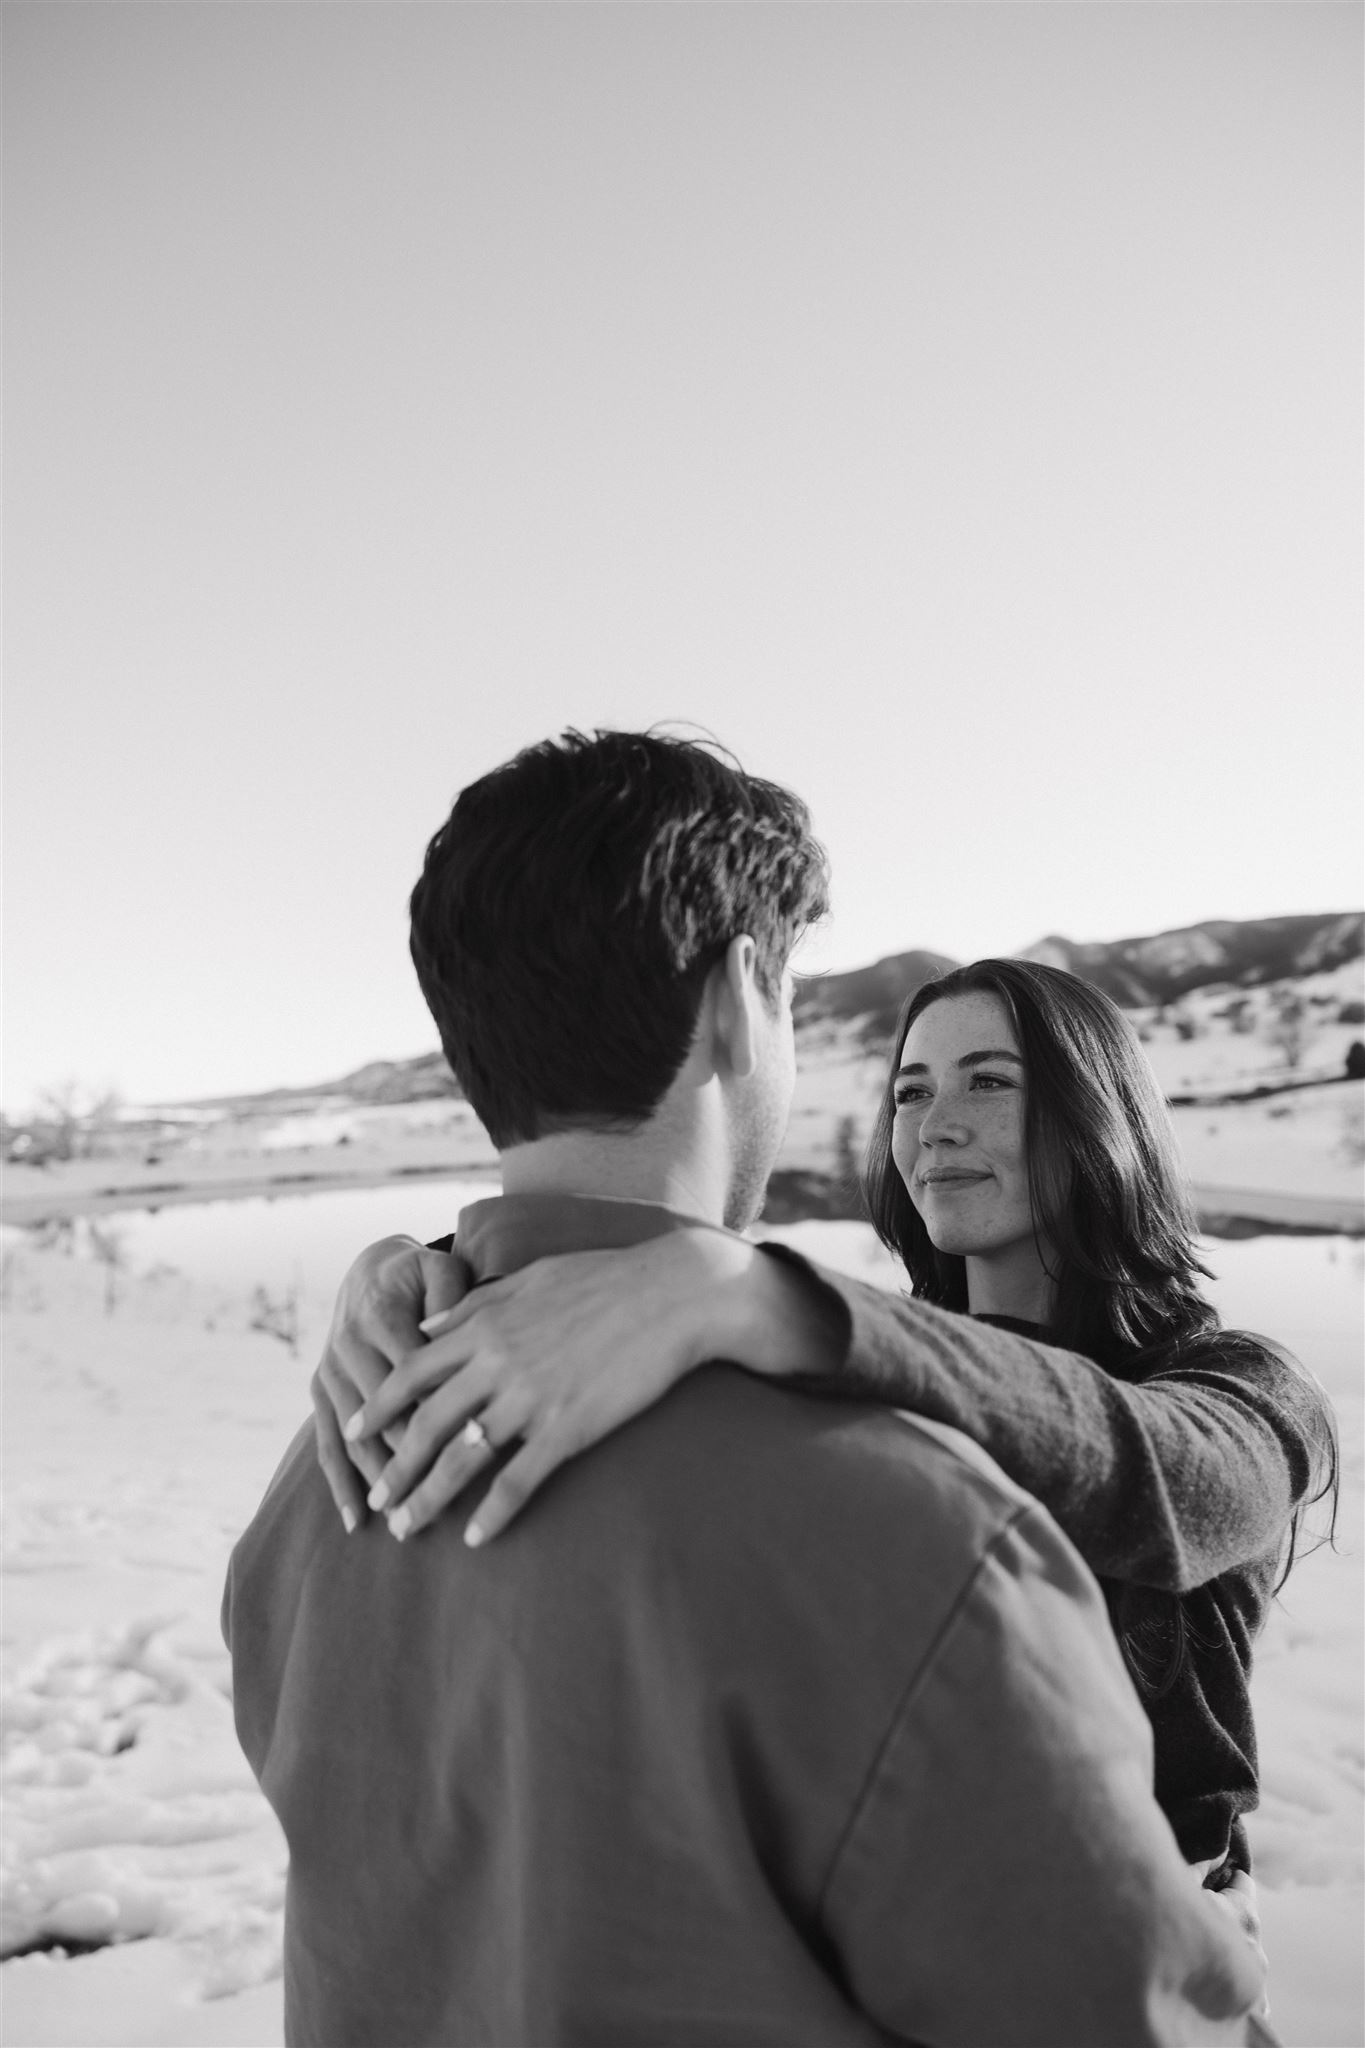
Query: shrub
point(277, 1316)
point(1288, 1029)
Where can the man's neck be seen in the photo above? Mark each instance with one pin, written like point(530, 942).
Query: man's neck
point(630, 1166)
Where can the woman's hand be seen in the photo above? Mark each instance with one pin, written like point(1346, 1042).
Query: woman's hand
point(549, 1359)
point(376, 1325)
point(553, 1358)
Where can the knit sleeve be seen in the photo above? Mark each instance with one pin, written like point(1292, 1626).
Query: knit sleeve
point(1166, 1482)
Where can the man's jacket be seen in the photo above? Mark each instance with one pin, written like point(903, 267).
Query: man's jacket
point(772, 1721)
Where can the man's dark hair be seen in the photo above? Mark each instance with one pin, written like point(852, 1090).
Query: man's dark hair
point(571, 907)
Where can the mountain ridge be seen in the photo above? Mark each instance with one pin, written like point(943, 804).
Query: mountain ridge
point(1138, 973)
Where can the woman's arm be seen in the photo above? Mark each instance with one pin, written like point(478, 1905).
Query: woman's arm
point(549, 1360)
point(1165, 1483)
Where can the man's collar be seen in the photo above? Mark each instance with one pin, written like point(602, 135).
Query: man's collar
point(508, 1231)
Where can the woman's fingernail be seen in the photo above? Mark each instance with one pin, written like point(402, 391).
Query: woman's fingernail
point(400, 1521)
point(473, 1535)
point(350, 1520)
point(378, 1494)
point(430, 1325)
point(355, 1428)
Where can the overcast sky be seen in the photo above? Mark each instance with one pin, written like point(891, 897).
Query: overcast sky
point(955, 408)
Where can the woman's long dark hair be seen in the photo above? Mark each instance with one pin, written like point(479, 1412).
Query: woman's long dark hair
point(1111, 1209)
point(1104, 1176)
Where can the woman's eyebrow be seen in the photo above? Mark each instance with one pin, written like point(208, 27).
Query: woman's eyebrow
point(969, 1059)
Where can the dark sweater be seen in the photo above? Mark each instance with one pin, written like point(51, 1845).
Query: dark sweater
point(1190, 1658)
point(1177, 1489)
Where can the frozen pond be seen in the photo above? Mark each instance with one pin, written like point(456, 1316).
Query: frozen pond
point(277, 1241)
point(1306, 1291)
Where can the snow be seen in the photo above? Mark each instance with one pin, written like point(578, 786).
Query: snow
point(1307, 1142)
point(138, 1442)
point(139, 1439)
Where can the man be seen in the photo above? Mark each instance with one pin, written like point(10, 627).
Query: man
point(773, 1721)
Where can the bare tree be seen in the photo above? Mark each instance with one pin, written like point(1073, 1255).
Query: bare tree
point(1240, 1015)
point(107, 1246)
point(846, 1163)
point(277, 1316)
point(70, 1118)
point(1287, 1030)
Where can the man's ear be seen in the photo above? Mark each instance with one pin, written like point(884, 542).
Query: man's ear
point(738, 1007)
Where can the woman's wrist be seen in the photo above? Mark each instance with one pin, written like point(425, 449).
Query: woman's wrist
point(711, 1294)
point(709, 1276)
point(771, 1314)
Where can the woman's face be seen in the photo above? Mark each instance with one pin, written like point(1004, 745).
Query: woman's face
point(958, 1139)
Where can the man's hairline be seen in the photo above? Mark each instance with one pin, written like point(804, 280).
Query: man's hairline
point(604, 1124)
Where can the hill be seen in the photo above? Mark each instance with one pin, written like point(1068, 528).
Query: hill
point(1249, 954)
point(1137, 973)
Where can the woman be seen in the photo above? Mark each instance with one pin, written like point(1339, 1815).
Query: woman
point(1023, 1168)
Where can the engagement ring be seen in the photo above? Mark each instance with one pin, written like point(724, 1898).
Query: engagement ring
point(475, 1435)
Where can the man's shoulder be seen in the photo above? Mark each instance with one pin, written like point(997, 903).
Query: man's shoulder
point(757, 1443)
point(742, 1444)
point(797, 1535)
point(824, 1505)
point(295, 1510)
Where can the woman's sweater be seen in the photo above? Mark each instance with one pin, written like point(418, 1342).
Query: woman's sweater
point(1177, 1489)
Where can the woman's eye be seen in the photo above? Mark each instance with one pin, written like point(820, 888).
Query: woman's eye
point(909, 1098)
point(991, 1081)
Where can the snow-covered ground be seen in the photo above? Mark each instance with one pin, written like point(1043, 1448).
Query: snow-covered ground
point(137, 1442)
point(1309, 1142)
point(139, 1438)
point(1223, 1037)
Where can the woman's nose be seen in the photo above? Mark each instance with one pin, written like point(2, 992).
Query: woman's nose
point(942, 1123)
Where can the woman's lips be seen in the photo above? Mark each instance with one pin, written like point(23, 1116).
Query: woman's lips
point(950, 1181)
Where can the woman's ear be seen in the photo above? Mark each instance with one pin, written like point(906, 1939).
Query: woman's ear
point(738, 1007)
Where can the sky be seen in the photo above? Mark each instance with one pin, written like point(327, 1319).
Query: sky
point(955, 409)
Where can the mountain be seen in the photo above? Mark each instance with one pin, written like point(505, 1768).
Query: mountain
point(1136, 972)
point(872, 994)
point(378, 1081)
